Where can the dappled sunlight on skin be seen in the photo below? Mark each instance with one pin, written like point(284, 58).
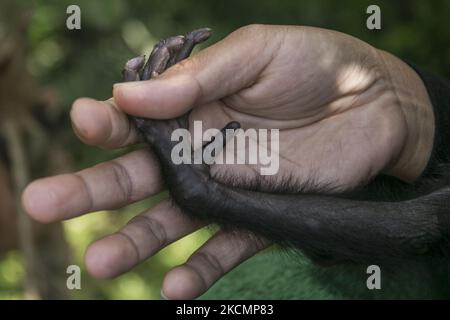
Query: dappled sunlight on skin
point(139, 284)
point(300, 167)
point(340, 81)
point(356, 78)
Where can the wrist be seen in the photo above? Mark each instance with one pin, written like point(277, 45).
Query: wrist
point(418, 114)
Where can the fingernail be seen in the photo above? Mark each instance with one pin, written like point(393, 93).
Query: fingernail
point(76, 130)
point(79, 132)
point(163, 296)
point(136, 63)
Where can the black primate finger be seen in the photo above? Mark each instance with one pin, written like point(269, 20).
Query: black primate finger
point(131, 70)
point(156, 62)
point(130, 73)
point(174, 50)
point(233, 125)
point(164, 54)
point(191, 40)
point(174, 44)
point(160, 55)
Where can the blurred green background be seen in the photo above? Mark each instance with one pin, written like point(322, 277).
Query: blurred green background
point(87, 62)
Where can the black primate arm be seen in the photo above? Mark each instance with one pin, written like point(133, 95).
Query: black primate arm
point(354, 230)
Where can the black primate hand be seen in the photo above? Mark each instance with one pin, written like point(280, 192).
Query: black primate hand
point(157, 133)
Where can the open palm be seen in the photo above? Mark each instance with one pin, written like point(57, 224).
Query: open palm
point(340, 121)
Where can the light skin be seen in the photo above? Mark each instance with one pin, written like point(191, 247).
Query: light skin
point(346, 112)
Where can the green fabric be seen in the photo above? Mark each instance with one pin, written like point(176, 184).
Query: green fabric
point(282, 276)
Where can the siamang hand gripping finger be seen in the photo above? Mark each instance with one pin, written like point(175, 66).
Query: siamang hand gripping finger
point(328, 227)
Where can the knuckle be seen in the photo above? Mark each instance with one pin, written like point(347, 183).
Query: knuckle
point(187, 65)
point(252, 29)
point(88, 190)
point(153, 227)
point(132, 243)
point(209, 261)
point(123, 180)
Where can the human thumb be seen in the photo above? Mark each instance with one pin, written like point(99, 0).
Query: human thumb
point(215, 72)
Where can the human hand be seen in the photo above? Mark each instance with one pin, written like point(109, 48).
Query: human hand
point(346, 112)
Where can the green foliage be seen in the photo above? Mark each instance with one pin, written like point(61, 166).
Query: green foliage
point(11, 276)
point(87, 62)
point(288, 277)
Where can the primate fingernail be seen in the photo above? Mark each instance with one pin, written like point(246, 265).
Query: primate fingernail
point(136, 63)
point(191, 39)
point(201, 35)
point(129, 75)
point(174, 43)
